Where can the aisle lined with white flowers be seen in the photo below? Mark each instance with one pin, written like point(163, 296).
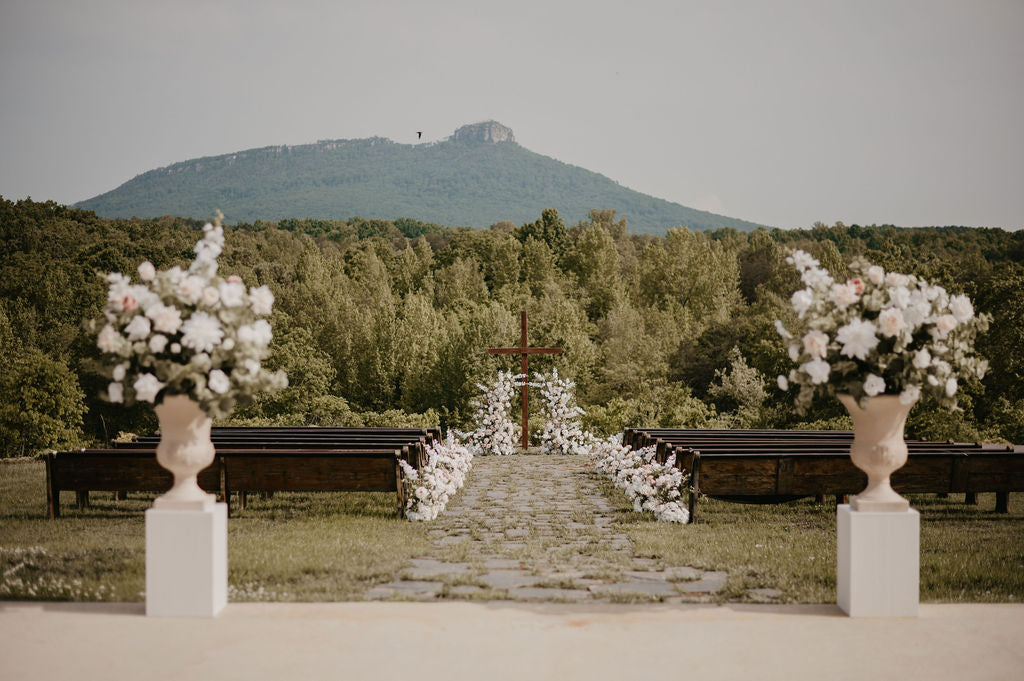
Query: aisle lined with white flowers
point(533, 527)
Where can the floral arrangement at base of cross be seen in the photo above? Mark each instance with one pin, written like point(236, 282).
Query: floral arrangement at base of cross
point(562, 433)
point(651, 486)
point(187, 332)
point(428, 490)
point(494, 431)
point(878, 333)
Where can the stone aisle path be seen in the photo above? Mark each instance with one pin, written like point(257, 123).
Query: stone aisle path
point(534, 527)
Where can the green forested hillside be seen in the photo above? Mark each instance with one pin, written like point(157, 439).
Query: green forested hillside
point(461, 181)
point(388, 322)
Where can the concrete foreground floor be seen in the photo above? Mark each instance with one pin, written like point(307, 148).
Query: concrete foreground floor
point(504, 640)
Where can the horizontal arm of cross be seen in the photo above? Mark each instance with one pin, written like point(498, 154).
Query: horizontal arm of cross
point(524, 351)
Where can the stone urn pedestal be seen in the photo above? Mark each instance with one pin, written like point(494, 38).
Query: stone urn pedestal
point(878, 534)
point(186, 530)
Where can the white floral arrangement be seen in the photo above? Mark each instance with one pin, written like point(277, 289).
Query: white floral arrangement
point(494, 430)
point(651, 486)
point(428, 490)
point(879, 333)
point(562, 432)
point(187, 332)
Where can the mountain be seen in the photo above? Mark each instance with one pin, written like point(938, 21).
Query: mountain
point(476, 177)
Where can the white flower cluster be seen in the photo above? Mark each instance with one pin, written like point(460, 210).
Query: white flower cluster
point(563, 433)
point(428, 490)
point(879, 333)
point(494, 431)
point(188, 332)
point(651, 486)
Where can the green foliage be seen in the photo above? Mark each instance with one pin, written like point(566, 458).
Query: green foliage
point(392, 328)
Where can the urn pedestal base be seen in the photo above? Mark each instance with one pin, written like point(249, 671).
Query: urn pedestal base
point(878, 562)
point(186, 561)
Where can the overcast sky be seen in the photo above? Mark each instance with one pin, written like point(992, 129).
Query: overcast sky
point(781, 113)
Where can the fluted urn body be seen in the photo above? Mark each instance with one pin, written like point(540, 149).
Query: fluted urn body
point(185, 449)
point(878, 449)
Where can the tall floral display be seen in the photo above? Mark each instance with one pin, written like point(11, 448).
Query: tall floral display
point(191, 343)
point(187, 332)
point(878, 341)
point(562, 433)
point(494, 430)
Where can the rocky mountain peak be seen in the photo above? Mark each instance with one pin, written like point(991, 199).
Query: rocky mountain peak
point(488, 131)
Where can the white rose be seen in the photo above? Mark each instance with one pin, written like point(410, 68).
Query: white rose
point(890, 322)
point(961, 308)
point(944, 324)
point(783, 382)
point(922, 359)
point(858, 338)
point(119, 371)
point(115, 393)
point(147, 386)
point(899, 297)
point(950, 386)
point(138, 328)
point(874, 385)
point(210, 296)
point(844, 295)
point(816, 344)
point(175, 348)
point(109, 339)
point(262, 300)
point(157, 343)
point(218, 382)
point(191, 288)
point(818, 370)
point(910, 394)
point(228, 344)
point(147, 271)
point(232, 294)
point(166, 318)
point(876, 275)
point(896, 280)
point(802, 300)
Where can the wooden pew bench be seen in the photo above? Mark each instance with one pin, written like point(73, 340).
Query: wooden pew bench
point(307, 470)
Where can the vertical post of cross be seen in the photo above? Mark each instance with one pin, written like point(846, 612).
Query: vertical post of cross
point(525, 351)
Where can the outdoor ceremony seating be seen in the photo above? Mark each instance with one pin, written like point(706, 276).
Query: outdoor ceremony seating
point(773, 466)
point(251, 460)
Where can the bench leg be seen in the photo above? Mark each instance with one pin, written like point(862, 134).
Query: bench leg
point(819, 498)
point(971, 498)
point(52, 494)
point(241, 500)
point(841, 499)
point(121, 495)
point(1002, 502)
point(82, 499)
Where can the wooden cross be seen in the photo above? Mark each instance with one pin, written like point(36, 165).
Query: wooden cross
point(525, 352)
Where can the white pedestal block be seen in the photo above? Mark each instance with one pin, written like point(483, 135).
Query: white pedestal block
point(878, 562)
point(186, 561)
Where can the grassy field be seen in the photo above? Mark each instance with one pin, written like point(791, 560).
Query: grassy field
point(294, 547)
point(327, 547)
point(968, 553)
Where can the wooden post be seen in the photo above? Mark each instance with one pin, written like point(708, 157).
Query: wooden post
point(525, 351)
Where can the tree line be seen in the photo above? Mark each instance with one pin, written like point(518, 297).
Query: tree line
point(387, 322)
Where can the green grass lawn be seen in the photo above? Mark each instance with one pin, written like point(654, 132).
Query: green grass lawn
point(328, 547)
point(968, 553)
point(295, 547)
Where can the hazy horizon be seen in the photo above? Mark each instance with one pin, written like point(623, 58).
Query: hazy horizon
point(785, 114)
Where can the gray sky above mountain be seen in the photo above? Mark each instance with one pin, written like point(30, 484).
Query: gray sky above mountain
point(777, 112)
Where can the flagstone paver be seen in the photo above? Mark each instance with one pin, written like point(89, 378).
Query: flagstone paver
point(537, 528)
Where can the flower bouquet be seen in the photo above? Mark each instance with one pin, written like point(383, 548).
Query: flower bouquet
point(878, 341)
point(879, 333)
point(191, 343)
point(187, 332)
